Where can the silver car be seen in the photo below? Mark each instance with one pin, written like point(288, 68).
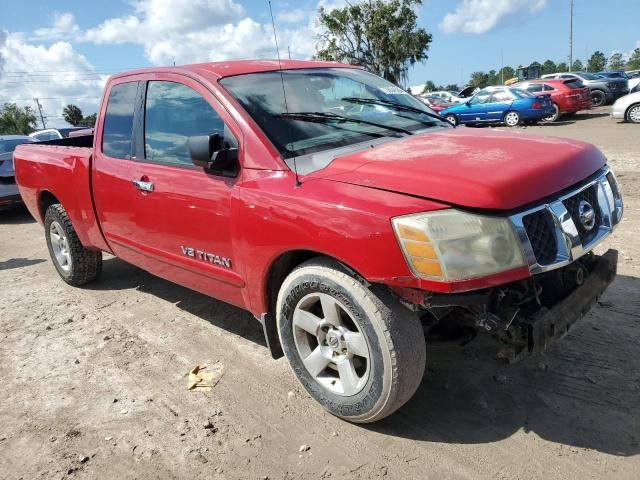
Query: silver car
point(8, 144)
point(627, 108)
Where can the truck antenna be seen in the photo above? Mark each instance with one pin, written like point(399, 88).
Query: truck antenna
point(284, 93)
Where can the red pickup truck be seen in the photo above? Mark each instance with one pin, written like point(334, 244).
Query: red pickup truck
point(339, 210)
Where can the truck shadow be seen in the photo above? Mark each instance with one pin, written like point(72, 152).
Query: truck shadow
point(583, 393)
point(119, 275)
point(16, 216)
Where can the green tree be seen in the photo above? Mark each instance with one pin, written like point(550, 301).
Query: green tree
point(380, 35)
point(429, 86)
point(634, 60)
point(596, 62)
point(452, 87)
point(479, 79)
point(15, 120)
point(577, 66)
point(562, 67)
point(506, 73)
point(616, 62)
point(493, 78)
point(549, 66)
point(72, 115)
point(89, 120)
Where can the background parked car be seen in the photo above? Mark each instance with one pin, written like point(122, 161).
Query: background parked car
point(603, 90)
point(500, 104)
point(54, 133)
point(9, 195)
point(568, 96)
point(436, 104)
point(627, 108)
point(614, 74)
point(453, 97)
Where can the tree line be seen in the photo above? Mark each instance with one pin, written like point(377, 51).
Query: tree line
point(598, 62)
point(16, 120)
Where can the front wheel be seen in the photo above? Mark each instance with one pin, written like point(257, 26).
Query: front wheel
point(633, 113)
point(512, 119)
point(451, 118)
point(354, 347)
point(74, 263)
point(598, 98)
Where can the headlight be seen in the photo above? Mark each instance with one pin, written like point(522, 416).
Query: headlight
point(450, 245)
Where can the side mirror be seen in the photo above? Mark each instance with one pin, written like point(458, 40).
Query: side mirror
point(210, 153)
point(468, 103)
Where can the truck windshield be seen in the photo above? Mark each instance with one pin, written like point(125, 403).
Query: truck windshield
point(311, 110)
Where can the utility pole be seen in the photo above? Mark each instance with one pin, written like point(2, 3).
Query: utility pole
point(502, 67)
point(44, 125)
point(570, 35)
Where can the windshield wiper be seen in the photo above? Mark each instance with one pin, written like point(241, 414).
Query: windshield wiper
point(394, 105)
point(323, 117)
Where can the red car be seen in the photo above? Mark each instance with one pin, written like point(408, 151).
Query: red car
point(435, 103)
point(346, 235)
point(568, 96)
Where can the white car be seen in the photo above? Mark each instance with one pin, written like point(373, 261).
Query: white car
point(452, 97)
point(627, 108)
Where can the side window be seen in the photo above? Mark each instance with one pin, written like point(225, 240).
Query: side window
point(548, 88)
point(534, 87)
point(118, 121)
point(173, 113)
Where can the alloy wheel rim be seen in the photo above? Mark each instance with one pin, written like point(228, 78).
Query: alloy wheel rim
point(331, 344)
point(634, 114)
point(553, 116)
point(597, 99)
point(512, 119)
point(451, 119)
point(60, 246)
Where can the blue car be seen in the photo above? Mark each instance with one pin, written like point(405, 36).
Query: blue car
point(508, 105)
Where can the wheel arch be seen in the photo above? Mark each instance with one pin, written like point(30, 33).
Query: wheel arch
point(277, 272)
point(626, 112)
point(45, 200)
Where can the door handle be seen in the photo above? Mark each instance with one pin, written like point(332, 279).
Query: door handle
point(143, 186)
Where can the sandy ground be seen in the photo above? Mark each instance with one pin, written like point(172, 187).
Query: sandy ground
point(95, 386)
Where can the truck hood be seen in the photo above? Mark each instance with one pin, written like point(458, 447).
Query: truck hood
point(468, 167)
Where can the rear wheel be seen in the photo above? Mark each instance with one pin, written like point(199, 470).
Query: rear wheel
point(74, 263)
point(451, 118)
point(598, 98)
point(354, 347)
point(554, 116)
point(512, 119)
point(633, 113)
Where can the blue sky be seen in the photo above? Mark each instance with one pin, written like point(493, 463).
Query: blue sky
point(63, 51)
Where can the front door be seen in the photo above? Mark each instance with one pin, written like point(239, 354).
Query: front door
point(475, 109)
point(182, 214)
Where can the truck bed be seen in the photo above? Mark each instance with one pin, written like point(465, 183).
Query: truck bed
point(60, 171)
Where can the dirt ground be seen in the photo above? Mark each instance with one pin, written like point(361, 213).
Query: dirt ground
point(95, 380)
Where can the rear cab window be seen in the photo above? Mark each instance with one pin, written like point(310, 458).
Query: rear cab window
point(118, 121)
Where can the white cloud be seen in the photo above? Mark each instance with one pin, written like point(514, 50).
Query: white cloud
point(187, 31)
point(481, 16)
point(56, 74)
point(64, 26)
point(294, 16)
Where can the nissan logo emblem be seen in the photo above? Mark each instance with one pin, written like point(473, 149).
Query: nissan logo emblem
point(587, 215)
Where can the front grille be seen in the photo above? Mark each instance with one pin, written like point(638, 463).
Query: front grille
point(572, 204)
point(541, 232)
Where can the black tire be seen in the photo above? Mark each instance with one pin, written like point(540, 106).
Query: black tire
point(395, 341)
point(84, 265)
point(554, 116)
point(633, 113)
point(598, 98)
point(452, 119)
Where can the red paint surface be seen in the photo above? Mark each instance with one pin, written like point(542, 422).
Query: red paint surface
point(260, 215)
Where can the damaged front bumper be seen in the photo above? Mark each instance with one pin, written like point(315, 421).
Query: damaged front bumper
point(551, 323)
